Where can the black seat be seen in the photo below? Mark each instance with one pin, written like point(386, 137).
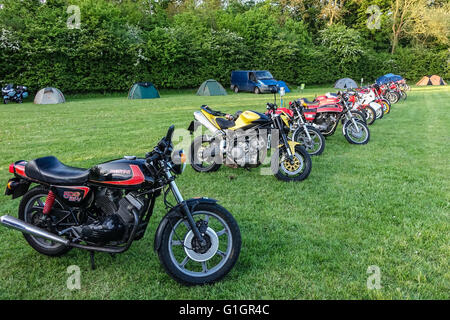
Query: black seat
point(50, 170)
point(224, 123)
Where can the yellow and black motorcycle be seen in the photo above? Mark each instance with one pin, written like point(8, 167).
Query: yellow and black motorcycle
point(242, 140)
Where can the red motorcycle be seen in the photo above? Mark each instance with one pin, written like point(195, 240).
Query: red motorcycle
point(325, 113)
point(309, 137)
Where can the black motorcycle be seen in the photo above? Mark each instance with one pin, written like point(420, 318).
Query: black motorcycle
point(107, 207)
point(9, 93)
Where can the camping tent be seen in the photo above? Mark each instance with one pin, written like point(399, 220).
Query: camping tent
point(143, 90)
point(388, 78)
point(433, 80)
point(284, 85)
point(49, 96)
point(345, 83)
point(211, 88)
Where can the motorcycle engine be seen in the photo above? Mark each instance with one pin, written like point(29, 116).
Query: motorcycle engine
point(245, 152)
point(115, 217)
point(324, 121)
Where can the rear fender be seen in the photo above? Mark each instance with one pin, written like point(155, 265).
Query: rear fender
point(177, 212)
point(17, 187)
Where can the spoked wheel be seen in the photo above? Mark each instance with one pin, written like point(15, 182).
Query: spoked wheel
point(393, 97)
point(190, 263)
point(370, 115)
point(31, 211)
point(358, 134)
point(313, 146)
point(386, 106)
point(296, 169)
point(403, 95)
point(200, 157)
point(359, 115)
point(379, 113)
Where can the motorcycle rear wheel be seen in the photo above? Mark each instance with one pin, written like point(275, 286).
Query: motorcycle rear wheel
point(201, 143)
point(30, 211)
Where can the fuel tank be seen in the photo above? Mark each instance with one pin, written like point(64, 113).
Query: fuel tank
point(126, 173)
point(248, 119)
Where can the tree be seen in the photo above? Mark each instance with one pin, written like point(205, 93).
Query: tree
point(333, 10)
point(404, 13)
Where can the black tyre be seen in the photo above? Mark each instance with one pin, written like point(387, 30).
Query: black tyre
point(296, 170)
point(30, 211)
point(379, 112)
point(386, 106)
point(403, 95)
point(199, 161)
point(236, 89)
point(359, 115)
point(189, 264)
point(371, 115)
point(315, 146)
point(256, 90)
point(359, 135)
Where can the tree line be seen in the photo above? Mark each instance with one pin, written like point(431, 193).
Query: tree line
point(106, 45)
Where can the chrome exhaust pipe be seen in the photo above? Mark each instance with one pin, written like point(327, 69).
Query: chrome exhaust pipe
point(22, 226)
point(204, 121)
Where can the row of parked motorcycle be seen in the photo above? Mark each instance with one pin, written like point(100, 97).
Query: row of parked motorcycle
point(242, 139)
point(107, 207)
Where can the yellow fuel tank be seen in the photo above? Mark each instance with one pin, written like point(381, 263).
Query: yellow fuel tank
point(244, 119)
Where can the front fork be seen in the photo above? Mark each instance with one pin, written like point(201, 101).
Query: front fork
point(305, 128)
point(352, 118)
point(177, 194)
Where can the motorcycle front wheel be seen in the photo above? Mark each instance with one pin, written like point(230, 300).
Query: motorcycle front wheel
point(371, 115)
point(189, 263)
point(297, 169)
point(358, 134)
point(313, 146)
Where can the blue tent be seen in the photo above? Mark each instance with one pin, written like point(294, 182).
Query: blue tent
point(388, 78)
point(284, 85)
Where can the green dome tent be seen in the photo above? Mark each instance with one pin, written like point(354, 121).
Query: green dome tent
point(211, 88)
point(143, 90)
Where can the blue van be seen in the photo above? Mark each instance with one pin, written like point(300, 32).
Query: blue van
point(257, 81)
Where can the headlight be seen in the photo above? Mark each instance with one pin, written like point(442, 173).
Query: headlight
point(179, 161)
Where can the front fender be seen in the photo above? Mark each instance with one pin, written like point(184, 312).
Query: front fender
point(177, 212)
point(292, 145)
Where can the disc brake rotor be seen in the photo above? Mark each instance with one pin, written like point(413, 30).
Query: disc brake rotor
point(293, 167)
point(355, 133)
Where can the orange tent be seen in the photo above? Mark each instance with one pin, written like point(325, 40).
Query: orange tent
point(433, 80)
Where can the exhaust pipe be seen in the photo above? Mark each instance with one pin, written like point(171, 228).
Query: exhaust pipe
point(204, 121)
point(14, 223)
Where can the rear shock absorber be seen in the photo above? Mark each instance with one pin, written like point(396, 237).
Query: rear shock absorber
point(49, 202)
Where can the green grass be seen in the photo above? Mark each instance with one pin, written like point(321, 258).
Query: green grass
point(385, 203)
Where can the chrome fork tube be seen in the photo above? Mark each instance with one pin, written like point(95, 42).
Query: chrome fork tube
point(173, 186)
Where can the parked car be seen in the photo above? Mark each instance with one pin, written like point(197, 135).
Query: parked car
point(257, 81)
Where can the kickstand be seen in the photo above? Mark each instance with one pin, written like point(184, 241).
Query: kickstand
point(92, 260)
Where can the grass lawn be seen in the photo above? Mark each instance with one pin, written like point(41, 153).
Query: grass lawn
point(385, 204)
